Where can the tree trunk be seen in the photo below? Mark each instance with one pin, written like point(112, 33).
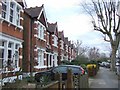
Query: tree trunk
point(113, 58)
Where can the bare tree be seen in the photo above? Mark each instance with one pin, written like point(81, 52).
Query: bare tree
point(80, 49)
point(93, 53)
point(106, 20)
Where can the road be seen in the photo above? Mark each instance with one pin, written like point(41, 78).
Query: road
point(104, 79)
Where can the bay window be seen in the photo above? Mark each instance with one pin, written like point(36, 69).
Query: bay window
point(11, 12)
point(9, 54)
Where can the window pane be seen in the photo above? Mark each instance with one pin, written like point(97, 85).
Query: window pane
point(1, 53)
point(16, 46)
point(11, 4)
point(11, 12)
point(11, 19)
point(18, 9)
point(16, 58)
point(9, 54)
point(1, 43)
point(3, 14)
point(3, 7)
point(10, 45)
point(1, 57)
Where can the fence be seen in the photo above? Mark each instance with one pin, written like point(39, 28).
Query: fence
point(72, 82)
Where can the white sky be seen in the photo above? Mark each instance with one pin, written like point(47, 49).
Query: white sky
point(75, 24)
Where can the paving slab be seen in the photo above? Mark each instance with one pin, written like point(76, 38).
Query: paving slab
point(104, 79)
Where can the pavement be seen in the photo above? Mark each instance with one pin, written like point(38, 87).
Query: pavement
point(105, 79)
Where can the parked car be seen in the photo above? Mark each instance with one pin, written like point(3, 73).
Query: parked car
point(117, 68)
point(60, 69)
point(105, 64)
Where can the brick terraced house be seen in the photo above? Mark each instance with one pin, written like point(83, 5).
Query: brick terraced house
point(11, 38)
point(60, 47)
point(66, 43)
point(73, 52)
point(29, 43)
point(35, 26)
point(53, 29)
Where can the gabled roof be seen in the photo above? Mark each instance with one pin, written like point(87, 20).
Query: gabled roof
point(38, 13)
point(61, 35)
point(33, 12)
point(69, 43)
point(52, 27)
point(66, 40)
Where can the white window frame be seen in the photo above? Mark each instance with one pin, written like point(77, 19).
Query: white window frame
point(40, 57)
point(55, 59)
point(41, 31)
point(4, 11)
point(16, 60)
point(15, 12)
point(55, 41)
point(2, 47)
point(11, 19)
point(18, 16)
point(48, 38)
point(13, 50)
point(10, 48)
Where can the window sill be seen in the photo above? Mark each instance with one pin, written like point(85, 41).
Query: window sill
point(15, 70)
point(62, 48)
point(41, 39)
point(55, 45)
point(39, 67)
point(16, 26)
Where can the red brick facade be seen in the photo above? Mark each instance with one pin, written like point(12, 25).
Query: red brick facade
point(11, 34)
point(39, 44)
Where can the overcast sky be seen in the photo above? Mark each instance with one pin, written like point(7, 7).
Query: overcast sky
point(70, 18)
